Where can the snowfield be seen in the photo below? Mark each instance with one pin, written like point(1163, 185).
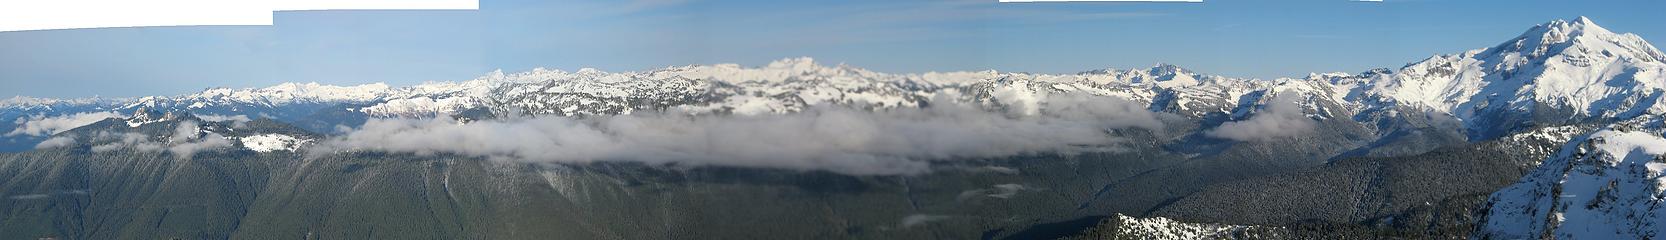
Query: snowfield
point(272, 142)
point(1607, 185)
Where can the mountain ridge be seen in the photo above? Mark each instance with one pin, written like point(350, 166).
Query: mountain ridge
point(1563, 71)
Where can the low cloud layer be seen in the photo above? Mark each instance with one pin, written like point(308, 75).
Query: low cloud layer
point(187, 140)
point(1282, 117)
point(137, 141)
point(56, 142)
point(41, 125)
point(237, 121)
point(918, 219)
point(1002, 191)
point(862, 142)
point(40, 196)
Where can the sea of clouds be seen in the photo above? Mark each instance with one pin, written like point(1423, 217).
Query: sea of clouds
point(834, 138)
point(837, 139)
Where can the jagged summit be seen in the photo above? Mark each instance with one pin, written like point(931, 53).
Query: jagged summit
point(1557, 72)
point(1577, 38)
point(1170, 75)
point(145, 114)
point(142, 116)
point(1165, 69)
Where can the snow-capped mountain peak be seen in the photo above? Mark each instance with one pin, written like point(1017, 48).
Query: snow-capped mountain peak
point(234, 100)
point(144, 116)
point(1168, 70)
point(313, 90)
point(1556, 72)
point(1577, 38)
point(1169, 75)
point(292, 92)
point(1162, 75)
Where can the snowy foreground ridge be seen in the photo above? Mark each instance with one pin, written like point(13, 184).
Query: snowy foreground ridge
point(1167, 229)
point(1607, 185)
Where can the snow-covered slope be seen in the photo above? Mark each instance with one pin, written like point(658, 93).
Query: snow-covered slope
point(272, 142)
point(1163, 228)
point(185, 133)
point(1126, 227)
point(1558, 72)
point(1606, 185)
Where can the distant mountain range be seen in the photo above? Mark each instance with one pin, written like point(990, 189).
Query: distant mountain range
point(1557, 74)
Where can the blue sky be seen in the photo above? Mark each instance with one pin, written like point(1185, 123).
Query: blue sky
point(1263, 39)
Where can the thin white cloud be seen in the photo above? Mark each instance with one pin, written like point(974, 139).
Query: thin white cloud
point(1282, 117)
point(41, 125)
point(189, 138)
point(56, 142)
point(917, 219)
point(1002, 191)
point(186, 141)
point(993, 169)
point(137, 141)
point(223, 118)
point(39, 196)
point(30, 196)
point(237, 121)
point(186, 150)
